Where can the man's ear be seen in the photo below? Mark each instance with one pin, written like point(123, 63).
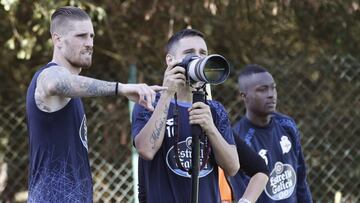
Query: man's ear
point(56, 38)
point(169, 58)
point(242, 95)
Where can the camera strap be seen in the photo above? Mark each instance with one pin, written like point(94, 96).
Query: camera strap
point(203, 138)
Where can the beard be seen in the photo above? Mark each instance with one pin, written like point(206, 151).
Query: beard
point(81, 60)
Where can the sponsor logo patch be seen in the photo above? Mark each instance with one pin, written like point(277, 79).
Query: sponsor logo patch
point(282, 182)
point(185, 159)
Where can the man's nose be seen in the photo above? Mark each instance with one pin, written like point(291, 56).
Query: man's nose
point(271, 93)
point(89, 42)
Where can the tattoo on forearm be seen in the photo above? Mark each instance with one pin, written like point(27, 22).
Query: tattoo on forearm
point(100, 88)
point(159, 125)
point(83, 86)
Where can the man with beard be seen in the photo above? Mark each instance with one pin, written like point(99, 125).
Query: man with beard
point(59, 163)
point(274, 136)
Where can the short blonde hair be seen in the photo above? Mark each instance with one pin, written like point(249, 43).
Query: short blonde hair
point(61, 18)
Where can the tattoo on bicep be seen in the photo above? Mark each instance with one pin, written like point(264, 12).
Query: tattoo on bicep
point(159, 124)
point(41, 105)
point(63, 87)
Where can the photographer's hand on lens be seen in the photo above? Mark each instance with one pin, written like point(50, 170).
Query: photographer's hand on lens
point(141, 93)
point(200, 114)
point(174, 77)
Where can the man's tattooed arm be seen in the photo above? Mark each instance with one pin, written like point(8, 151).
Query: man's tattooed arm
point(59, 81)
point(159, 128)
point(150, 138)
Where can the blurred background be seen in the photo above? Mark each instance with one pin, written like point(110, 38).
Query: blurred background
point(310, 46)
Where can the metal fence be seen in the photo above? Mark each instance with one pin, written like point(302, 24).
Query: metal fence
point(322, 97)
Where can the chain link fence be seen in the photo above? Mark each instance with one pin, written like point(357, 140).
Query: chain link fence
point(323, 98)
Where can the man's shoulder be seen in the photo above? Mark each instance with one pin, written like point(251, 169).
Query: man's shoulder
point(286, 122)
point(140, 111)
point(218, 110)
point(214, 103)
point(279, 115)
point(283, 119)
point(52, 70)
point(239, 122)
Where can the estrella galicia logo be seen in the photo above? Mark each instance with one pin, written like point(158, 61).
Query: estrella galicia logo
point(83, 132)
point(185, 159)
point(282, 182)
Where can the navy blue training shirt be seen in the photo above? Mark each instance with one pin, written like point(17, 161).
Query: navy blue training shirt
point(279, 145)
point(161, 180)
point(59, 164)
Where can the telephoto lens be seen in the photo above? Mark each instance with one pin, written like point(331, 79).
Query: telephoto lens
point(213, 69)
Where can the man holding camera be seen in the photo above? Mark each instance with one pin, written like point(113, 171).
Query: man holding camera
point(163, 139)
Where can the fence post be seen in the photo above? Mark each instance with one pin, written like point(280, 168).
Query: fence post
point(134, 154)
point(337, 198)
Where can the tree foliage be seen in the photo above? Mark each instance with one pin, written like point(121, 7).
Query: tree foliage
point(134, 32)
point(311, 46)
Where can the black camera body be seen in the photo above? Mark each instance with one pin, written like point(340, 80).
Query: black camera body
point(213, 69)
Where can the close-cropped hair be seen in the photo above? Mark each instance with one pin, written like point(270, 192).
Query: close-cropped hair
point(180, 35)
point(62, 15)
point(251, 69)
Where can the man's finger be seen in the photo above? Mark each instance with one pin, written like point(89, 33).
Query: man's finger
point(153, 97)
point(174, 62)
point(146, 105)
point(157, 88)
point(142, 100)
point(149, 98)
point(198, 105)
point(149, 106)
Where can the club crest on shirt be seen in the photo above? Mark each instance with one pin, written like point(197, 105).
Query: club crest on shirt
point(285, 144)
point(263, 153)
point(83, 132)
point(184, 152)
point(282, 182)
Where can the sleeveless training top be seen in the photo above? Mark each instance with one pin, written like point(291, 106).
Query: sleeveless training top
point(59, 164)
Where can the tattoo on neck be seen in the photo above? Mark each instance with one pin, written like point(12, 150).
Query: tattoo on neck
point(159, 124)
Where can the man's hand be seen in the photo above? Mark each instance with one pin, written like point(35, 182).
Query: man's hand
point(174, 77)
point(141, 93)
point(200, 113)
